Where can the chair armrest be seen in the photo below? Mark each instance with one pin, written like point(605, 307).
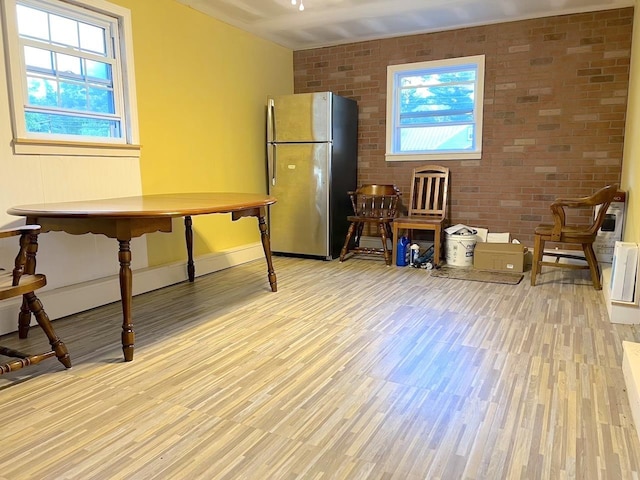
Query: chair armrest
point(559, 218)
point(573, 202)
point(12, 232)
point(578, 202)
point(602, 198)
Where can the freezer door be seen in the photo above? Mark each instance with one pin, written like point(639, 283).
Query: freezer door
point(304, 117)
point(299, 221)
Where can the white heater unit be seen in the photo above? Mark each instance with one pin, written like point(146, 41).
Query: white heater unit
point(623, 271)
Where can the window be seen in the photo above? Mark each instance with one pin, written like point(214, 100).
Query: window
point(434, 109)
point(71, 77)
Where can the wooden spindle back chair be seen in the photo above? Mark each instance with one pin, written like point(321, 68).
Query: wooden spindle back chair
point(375, 205)
point(16, 283)
point(566, 233)
point(427, 209)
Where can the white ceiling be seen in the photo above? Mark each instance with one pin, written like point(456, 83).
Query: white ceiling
point(333, 22)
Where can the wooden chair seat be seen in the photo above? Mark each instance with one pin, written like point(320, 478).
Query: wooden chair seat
point(375, 205)
point(427, 209)
point(16, 283)
point(576, 234)
point(569, 233)
point(28, 283)
point(355, 218)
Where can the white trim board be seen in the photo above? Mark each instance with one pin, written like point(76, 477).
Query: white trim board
point(64, 301)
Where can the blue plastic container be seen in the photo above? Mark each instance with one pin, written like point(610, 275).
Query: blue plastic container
point(401, 255)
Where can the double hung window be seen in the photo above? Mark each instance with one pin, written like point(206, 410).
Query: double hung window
point(434, 109)
point(71, 74)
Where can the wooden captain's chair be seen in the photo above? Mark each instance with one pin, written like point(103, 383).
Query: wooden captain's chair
point(427, 209)
point(16, 283)
point(583, 235)
point(375, 205)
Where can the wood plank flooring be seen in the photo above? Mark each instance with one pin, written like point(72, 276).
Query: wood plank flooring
point(351, 370)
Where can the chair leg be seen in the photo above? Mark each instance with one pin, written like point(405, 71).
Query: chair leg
point(359, 229)
point(437, 238)
point(42, 318)
point(389, 232)
point(594, 268)
point(394, 241)
point(24, 320)
point(345, 247)
point(538, 249)
point(383, 237)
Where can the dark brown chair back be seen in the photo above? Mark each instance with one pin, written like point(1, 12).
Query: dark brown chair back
point(375, 201)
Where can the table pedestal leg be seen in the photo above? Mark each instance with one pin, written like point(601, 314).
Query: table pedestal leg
point(266, 245)
point(188, 234)
point(128, 335)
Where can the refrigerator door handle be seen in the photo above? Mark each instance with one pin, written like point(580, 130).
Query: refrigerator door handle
point(271, 147)
point(271, 128)
point(271, 163)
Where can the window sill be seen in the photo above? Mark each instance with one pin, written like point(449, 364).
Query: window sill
point(22, 146)
point(397, 157)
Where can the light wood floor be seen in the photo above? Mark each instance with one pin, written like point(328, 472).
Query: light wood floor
point(352, 370)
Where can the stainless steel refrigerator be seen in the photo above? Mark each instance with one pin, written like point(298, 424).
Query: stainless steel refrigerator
point(312, 143)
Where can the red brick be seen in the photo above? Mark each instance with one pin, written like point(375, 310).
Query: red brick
point(584, 154)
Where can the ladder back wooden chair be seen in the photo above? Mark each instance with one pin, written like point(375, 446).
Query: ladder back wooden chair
point(427, 209)
point(575, 234)
point(17, 283)
point(375, 205)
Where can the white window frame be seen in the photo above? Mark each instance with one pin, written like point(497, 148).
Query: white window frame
point(393, 114)
point(124, 85)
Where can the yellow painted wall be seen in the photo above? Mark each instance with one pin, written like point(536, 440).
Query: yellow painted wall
point(202, 88)
point(631, 160)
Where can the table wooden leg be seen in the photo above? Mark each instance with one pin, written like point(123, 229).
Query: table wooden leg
point(128, 335)
point(188, 233)
point(266, 245)
point(260, 213)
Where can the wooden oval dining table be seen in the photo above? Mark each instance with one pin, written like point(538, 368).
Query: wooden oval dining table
point(129, 217)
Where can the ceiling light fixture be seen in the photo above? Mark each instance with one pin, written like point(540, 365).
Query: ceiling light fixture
point(295, 2)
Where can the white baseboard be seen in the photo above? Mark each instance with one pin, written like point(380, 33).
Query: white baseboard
point(71, 299)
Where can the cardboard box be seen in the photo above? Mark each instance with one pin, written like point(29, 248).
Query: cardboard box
point(499, 256)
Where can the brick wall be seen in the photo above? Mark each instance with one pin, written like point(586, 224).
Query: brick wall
point(554, 112)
